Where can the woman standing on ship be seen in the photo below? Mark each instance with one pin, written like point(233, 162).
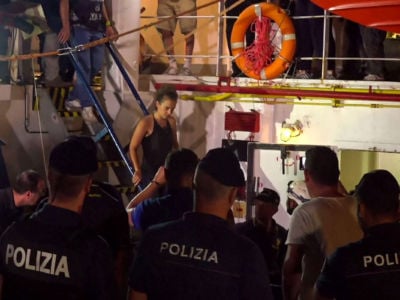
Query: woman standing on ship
point(156, 135)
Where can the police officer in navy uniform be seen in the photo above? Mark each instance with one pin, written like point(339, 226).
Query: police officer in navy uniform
point(104, 212)
point(200, 256)
point(51, 255)
point(369, 268)
point(268, 235)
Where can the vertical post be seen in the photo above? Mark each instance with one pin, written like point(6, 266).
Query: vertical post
point(221, 33)
point(325, 45)
point(250, 179)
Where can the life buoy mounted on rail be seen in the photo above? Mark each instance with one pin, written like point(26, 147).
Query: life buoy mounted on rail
point(283, 59)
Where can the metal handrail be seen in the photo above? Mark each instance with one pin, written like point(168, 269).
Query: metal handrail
point(100, 110)
point(220, 55)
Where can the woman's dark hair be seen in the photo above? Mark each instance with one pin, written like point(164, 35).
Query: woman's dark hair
point(166, 90)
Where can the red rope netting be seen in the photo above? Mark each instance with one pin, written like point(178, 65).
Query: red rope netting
point(259, 53)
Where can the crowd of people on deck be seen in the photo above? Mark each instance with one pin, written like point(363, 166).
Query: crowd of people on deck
point(346, 39)
point(73, 23)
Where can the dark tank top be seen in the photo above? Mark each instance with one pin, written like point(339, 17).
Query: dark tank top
point(156, 146)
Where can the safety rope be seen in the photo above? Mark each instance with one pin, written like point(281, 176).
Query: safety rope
point(37, 109)
point(65, 51)
point(259, 53)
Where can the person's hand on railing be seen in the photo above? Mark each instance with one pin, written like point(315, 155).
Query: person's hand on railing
point(111, 32)
point(137, 177)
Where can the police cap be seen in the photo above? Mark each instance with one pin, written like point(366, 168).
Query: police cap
point(75, 156)
point(222, 165)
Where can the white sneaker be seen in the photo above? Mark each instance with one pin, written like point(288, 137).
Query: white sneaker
point(171, 70)
point(329, 75)
point(302, 74)
point(185, 72)
point(88, 115)
point(73, 105)
point(373, 77)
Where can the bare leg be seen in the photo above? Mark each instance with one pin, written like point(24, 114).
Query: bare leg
point(189, 51)
point(168, 41)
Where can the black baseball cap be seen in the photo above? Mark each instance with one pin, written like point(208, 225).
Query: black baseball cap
point(75, 156)
point(223, 165)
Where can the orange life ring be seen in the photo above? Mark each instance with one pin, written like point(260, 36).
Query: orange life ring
point(285, 56)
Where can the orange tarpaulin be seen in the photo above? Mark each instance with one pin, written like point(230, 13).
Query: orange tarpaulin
point(381, 14)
